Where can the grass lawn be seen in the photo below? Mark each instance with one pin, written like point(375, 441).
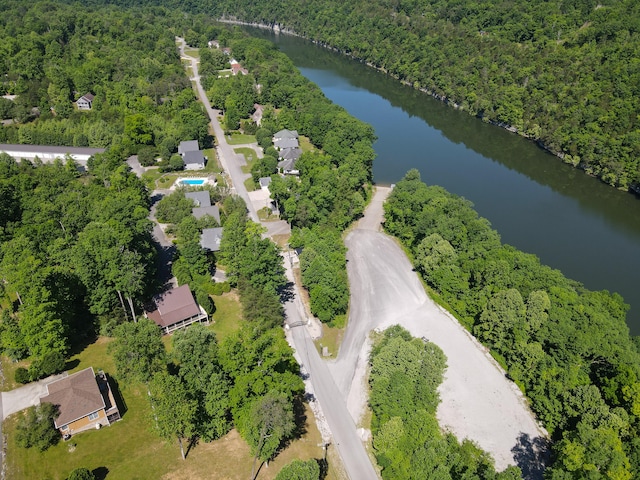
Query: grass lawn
point(212, 161)
point(130, 449)
point(228, 314)
point(192, 52)
point(249, 185)
point(240, 139)
point(306, 145)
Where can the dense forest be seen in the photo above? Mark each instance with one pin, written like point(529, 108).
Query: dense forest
point(52, 54)
point(568, 348)
point(563, 73)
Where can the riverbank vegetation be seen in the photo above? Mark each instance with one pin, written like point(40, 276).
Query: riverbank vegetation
point(407, 440)
point(334, 179)
point(561, 73)
point(568, 348)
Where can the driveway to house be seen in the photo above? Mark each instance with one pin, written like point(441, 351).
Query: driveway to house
point(29, 395)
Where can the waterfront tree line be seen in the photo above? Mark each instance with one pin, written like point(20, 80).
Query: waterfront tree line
point(568, 348)
point(559, 72)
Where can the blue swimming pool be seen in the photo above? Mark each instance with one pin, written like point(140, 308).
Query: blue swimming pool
point(193, 181)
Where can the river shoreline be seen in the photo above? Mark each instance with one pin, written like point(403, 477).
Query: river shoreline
point(278, 28)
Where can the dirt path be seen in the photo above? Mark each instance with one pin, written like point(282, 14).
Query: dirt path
point(478, 402)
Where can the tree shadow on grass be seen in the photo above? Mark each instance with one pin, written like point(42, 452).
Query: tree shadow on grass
point(532, 456)
point(100, 473)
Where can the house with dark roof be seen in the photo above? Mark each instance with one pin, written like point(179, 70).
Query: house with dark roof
point(84, 400)
point(211, 238)
point(288, 159)
point(203, 205)
point(188, 146)
point(175, 309)
point(212, 211)
point(194, 160)
point(85, 102)
point(201, 199)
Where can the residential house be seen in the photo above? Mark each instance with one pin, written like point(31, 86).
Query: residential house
point(285, 134)
point(288, 159)
point(175, 309)
point(237, 68)
point(211, 238)
point(203, 205)
point(84, 400)
point(285, 139)
point(212, 211)
point(264, 183)
point(194, 160)
point(201, 199)
point(226, 51)
point(213, 44)
point(85, 102)
point(188, 146)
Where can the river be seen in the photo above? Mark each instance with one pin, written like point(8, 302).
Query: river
point(572, 222)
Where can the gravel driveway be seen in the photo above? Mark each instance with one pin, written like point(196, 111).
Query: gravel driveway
point(478, 401)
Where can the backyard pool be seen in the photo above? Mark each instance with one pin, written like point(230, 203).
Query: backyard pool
point(192, 182)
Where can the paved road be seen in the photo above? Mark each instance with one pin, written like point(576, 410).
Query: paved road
point(231, 161)
point(343, 430)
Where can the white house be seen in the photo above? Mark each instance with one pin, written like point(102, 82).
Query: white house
point(85, 102)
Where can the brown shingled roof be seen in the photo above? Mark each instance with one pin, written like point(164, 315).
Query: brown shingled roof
point(173, 306)
point(76, 396)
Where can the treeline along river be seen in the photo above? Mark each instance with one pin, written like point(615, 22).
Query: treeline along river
point(575, 223)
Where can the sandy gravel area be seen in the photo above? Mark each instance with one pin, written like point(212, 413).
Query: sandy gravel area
point(477, 400)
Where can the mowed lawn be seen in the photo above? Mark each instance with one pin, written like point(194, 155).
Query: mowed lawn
point(130, 449)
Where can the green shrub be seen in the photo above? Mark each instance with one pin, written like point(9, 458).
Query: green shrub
point(22, 375)
point(81, 474)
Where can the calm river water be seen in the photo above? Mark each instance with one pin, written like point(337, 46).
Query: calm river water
point(589, 231)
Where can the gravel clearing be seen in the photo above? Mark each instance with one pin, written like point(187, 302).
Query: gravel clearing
point(477, 400)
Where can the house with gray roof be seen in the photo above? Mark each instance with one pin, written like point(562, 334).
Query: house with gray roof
point(188, 146)
point(194, 160)
point(201, 199)
point(211, 238)
point(85, 102)
point(212, 211)
point(264, 182)
point(284, 133)
point(285, 139)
